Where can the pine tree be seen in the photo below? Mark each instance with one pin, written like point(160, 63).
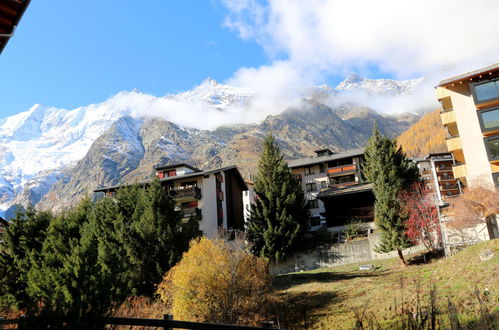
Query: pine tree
point(279, 217)
point(388, 169)
point(66, 280)
point(23, 237)
point(156, 238)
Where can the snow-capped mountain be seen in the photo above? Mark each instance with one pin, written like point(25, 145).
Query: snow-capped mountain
point(386, 87)
point(46, 151)
point(215, 94)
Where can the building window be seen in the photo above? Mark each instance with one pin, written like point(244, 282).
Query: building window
point(321, 168)
point(311, 186)
point(309, 170)
point(323, 184)
point(313, 204)
point(315, 221)
point(492, 146)
point(486, 91)
point(489, 119)
point(340, 162)
point(495, 176)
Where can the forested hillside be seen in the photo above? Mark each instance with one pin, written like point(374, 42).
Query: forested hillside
point(424, 137)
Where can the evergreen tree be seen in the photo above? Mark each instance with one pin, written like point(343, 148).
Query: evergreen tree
point(279, 218)
point(388, 169)
point(66, 279)
point(155, 239)
point(23, 237)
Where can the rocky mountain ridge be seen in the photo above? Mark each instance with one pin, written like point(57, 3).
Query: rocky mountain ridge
point(52, 157)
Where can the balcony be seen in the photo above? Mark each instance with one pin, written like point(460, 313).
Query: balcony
point(449, 187)
point(459, 171)
point(343, 184)
point(454, 143)
point(441, 92)
point(185, 193)
point(426, 172)
point(192, 212)
point(448, 117)
point(341, 170)
point(444, 168)
point(446, 178)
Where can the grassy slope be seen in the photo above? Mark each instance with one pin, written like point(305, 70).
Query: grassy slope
point(332, 294)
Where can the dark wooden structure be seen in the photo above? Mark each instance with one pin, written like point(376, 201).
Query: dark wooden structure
point(11, 12)
point(166, 323)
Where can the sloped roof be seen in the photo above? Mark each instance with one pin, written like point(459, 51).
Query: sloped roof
point(11, 12)
point(330, 192)
point(294, 163)
point(182, 177)
point(170, 167)
point(469, 75)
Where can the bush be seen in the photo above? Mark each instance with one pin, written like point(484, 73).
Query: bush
point(353, 228)
point(217, 281)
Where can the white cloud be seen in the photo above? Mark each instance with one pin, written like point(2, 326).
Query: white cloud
point(311, 40)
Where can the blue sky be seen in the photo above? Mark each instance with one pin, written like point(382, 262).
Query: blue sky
point(70, 53)
point(73, 53)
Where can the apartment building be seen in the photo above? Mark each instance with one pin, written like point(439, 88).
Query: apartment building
point(436, 173)
point(249, 198)
point(470, 114)
point(213, 197)
point(335, 188)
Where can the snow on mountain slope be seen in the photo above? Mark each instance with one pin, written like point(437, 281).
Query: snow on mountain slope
point(36, 145)
point(387, 87)
point(215, 94)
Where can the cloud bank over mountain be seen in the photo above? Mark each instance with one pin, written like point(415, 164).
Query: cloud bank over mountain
point(315, 39)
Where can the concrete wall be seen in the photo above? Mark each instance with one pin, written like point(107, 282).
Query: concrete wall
point(337, 254)
point(248, 199)
point(457, 238)
point(209, 224)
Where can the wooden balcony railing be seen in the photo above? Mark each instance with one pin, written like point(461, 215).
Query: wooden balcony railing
point(343, 184)
point(187, 192)
point(342, 169)
point(449, 187)
point(192, 212)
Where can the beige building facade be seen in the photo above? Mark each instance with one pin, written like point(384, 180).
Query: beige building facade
point(470, 114)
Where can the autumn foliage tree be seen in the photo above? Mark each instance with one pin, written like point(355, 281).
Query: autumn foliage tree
point(422, 216)
point(217, 281)
point(476, 205)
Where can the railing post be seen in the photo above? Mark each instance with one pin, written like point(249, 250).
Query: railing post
point(167, 317)
point(21, 322)
point(268, 324)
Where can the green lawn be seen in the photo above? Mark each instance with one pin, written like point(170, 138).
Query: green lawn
point(328, 298)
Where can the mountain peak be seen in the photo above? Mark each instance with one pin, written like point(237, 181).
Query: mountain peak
point(385, 87)
point(210, 81)
point(353, 78)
